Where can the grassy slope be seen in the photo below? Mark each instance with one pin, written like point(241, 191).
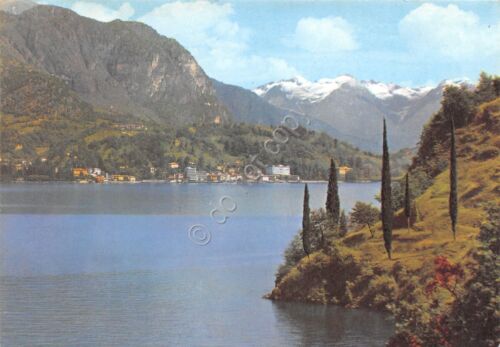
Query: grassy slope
point(358, 272)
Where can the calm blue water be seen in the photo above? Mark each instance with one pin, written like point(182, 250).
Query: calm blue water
point(112, 265)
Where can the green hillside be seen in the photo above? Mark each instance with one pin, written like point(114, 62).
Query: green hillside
point(436, 287)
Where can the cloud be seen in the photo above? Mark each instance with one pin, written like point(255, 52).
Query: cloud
point(449, 31)
point(219, 43)
point(195, 23)
point(327, 35)
point(103, 13)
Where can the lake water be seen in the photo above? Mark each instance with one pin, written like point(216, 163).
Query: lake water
point(113, 265)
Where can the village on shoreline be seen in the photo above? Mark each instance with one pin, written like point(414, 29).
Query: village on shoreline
point(190, 174)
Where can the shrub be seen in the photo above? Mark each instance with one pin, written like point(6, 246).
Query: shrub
point(487, 153)
point(381, 291)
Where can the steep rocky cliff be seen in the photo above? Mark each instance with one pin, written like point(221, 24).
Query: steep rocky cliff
point(123, 67)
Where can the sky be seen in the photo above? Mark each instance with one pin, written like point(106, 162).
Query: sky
point(250, 43)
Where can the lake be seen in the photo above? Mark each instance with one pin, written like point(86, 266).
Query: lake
point(115, 265)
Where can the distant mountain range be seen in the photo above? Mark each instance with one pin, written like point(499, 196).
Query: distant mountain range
point(247, 107)
point(128, 68)
point(122, 67)
point(81, 93)
point(355, 109)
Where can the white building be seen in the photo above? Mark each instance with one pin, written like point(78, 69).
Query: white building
point(282, 170)
point(193, 175)
point(95, 171)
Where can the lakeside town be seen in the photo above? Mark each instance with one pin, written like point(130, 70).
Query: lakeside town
point(223, 174)
point(190, 174)
point(172, 173)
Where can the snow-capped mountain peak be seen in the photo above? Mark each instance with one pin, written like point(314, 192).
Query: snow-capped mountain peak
point(304, 90)
point(389, 90)
point(456, 82)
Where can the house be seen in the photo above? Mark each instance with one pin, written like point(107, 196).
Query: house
point(202, 176)
point(266, 178)
point(80, 172)
point(173, 165)
point(176, 178)
point(280, 170)
point(343, 170)
point(213, 177)
point(99, 179)
point(119, 178)
point(124, 178)
point(224, 177)
point(95, 171)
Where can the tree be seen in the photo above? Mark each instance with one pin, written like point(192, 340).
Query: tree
point(342, 224)
point(407, 201)
point(496, 86)
point(385, 195)
point(485, 90)
point(453, 204)
point(365, 214)
point(332, 195)
point(458, 103)
point(474, 317)
point(306, 223)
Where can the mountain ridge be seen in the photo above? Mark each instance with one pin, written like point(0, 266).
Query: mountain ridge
point(121, 66)
point(70, 103)
point(325, 86)
point(355, 107)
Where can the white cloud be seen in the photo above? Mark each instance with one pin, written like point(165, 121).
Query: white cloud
point(324, 35)
point(103, 13)
point(220, 44)
point(449, 32)
point(195, 23)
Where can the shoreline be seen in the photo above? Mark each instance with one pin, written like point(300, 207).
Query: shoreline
point(168, 182)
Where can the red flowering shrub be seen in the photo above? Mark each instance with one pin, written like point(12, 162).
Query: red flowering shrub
point(446, 276)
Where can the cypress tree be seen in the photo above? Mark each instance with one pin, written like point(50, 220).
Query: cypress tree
point(332, 195)
point(407, 201)
point(306, 223)
point(386, 196)
point(342, 224)
point(453, 210)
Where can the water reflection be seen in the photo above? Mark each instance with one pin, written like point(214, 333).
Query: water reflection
point(320, 325)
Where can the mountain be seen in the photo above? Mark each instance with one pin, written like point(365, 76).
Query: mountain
point(355, 108)
point(245, 106)
point(81, 93)
point(122, 67)
point(46, 130)
point(16, 6)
